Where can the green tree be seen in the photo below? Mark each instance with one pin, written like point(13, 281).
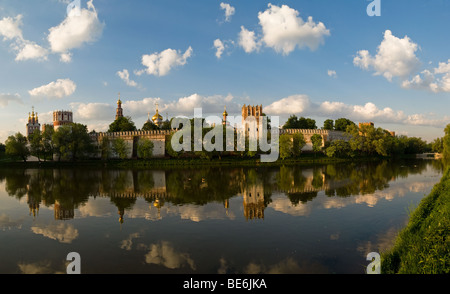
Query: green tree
point(438, 145)
point(122, 124)
point(72, 142)
point(47, 144)
point(341, 124)
point(328, 124)
point(149, 126)
point(316, 141)
point(339, 149)
point(17, 146)
point(286, 146)
point(299, 123)
point(299, 142)
point(446, 143)
point(145, 148)
point(36, 144)
point(120, 148)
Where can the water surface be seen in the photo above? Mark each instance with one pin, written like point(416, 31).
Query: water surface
point(289, 219)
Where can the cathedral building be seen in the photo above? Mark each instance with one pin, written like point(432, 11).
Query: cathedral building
point(157, 118)
point(33, 123)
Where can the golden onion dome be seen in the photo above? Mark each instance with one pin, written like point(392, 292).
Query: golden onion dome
point(157, 116)
point(225, 113)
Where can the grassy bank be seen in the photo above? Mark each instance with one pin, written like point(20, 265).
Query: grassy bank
point(423, 247)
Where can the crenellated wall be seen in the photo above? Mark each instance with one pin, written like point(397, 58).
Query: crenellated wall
point(327, 135)
point(131, 138)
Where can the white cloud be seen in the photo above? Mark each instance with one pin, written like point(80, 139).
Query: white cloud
point(229, 10)
point(301, 105)
point(10, 27)
point(283, 30)
point(435, 80)
point(289, 105)
point(58, 89)
point(92, 111)
point(160, 64)
point(125, 76)
point(10, 30)
point(395, 57)
point(6, 98)
point(78, 28)
point(248, 40)
point(31, 50)
point(332, 73)
point(220, 47)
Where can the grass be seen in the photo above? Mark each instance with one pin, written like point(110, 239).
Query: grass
point(423, 247)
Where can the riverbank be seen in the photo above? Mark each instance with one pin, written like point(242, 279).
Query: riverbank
point(423, 247)
point(305, 159)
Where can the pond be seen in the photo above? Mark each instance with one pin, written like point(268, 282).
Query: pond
point(209, 220)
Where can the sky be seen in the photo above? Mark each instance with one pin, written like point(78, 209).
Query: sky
point(321, 59)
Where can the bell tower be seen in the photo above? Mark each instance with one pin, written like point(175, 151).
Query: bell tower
point(119, 110)
point(33, 123)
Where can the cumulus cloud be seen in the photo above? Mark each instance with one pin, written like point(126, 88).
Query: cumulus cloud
point(31, 50)
point(5, 99)
point(248, 40)
point(395, 57)
point(78, 28)
point(92, 111)
point(436, 80)
point(57, 89)
point(284, 30)
point(301, 105)
point(220, 47)
point(10, 30)
point(125, 76)
point(10, 27)
point(229, 10)
point(160, 64)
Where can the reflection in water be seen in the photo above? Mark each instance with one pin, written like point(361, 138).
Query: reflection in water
point(252, 220)
point(68, 190)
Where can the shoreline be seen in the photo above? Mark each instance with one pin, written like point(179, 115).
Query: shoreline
point(192, 162)
point(422, 247)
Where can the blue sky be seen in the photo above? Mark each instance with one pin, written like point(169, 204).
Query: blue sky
point(320, 59)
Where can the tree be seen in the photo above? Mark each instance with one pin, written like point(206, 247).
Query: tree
point(342, 124)
point(446, 150)
point(145, 148)
point(120, 148)
point(72, 142)
point(122, 124)
point(328, 124)
point(316, 141)
point(438, 145)
point(36, 144)
point(47, 144)
point(17, 146)
point(299, 123)
point(149, 126)
point(286, 146)
point(298, 143)
point(339, 149)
